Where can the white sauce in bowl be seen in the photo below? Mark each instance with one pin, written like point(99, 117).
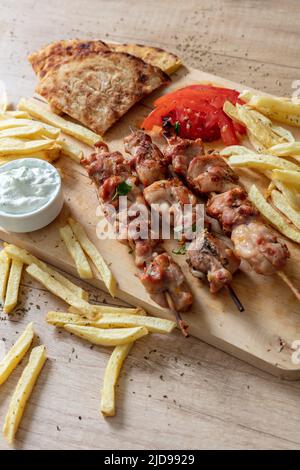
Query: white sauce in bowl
point(27, 186)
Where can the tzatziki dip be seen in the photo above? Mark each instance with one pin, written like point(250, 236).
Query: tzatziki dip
point(27, 186)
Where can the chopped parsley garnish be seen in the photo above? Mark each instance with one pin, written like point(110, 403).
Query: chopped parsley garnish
point(122, 189)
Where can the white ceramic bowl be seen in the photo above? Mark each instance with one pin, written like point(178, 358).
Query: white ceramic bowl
point(39, 218)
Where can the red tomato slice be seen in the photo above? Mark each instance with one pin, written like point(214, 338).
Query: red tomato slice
point(199, 111)
point(227, 130)
point(208, 92)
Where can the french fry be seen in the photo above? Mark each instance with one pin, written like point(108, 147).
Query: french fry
point(109, 337)
point(235, 150)
point(13, 284)
point(258, 146)
point(288, 149)
point(283, 133)
point(256, 124)
point(278, 132)
point(111, 375)
point(25, 257)
point(63, 318)
point(49, 155)
point(40, 111)
point(282, 204)
point(153, 324)
point(281, 109)
point(22, 132)
point(60, 290)
point(273, 217)
point(9, 146)
point(107, 309)
point(76, 252)
point(106, 320)
point(22, 392)
point(72, 150)
point(16, 353)
point(289, 192)
point(257, 128)
point(262, 162)
point(95, 256)
point(12, 122)
point(232, 112)
point(287, 176)
point(4, 273)
point(14, 114)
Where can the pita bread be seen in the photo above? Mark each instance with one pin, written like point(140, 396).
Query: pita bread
point(57, 53)
point(97, 88)
point(166, 61)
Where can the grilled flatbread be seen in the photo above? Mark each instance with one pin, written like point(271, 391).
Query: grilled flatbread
point(166, 61)
point(97, 88)
point(51, 57)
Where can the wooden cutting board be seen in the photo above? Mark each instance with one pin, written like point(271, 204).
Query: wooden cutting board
point(262, 335)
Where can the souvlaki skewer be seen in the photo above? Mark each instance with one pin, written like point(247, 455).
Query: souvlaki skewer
point(253, 239)
point(161, 276)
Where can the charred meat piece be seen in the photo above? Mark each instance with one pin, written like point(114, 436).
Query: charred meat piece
point(164, 275)
point(146, 159)
point(210, 173)
point(210, 256)
point(258, 244)
point(231, 208)
point(180, 153)
point(175, 200)
point(102, 164)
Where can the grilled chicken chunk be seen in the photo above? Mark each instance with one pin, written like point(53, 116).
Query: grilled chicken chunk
point(258, 244)
point(210, 256)
point(164, 275)
point(210, 173)
point(145, 158)
point(180, 152)
point(231, 208)
point(253, 240)
point(174, 201)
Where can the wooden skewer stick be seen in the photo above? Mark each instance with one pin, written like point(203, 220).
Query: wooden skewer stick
point(235, 298)
point(289, 283)
point(180, 322)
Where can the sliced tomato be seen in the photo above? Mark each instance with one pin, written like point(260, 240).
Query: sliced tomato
point(227, 130)
point(207, 92)
point(198, 109)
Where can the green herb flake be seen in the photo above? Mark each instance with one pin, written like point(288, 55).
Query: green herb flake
point(177, 127)
point(123, 188)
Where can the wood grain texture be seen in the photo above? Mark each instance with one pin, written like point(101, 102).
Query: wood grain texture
point(229, 404)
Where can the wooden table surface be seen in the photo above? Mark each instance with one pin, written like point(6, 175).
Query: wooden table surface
point(173, 393)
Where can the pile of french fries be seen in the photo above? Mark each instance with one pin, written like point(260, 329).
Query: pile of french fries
point(26, 382)
point(275, 154)
point(117, 327)
point(34, 132)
